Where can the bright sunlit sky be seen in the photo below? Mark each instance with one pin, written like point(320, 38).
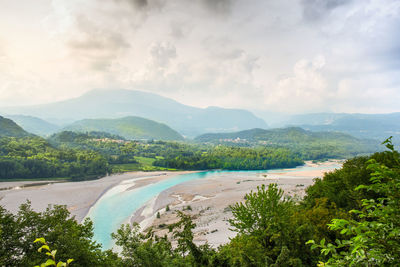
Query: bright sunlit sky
point(291, 56)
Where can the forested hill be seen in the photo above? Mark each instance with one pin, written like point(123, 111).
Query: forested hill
point(33, 158)
point(129, 127)
point(9, 128)
point(307, 143)
point(34, 125)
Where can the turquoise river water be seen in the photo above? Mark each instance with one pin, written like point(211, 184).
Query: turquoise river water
point(118, 204)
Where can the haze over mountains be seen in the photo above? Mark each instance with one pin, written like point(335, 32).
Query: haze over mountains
point(34, 125)
point(375, 126)
point(9, 128)
point(127, 127)
point(189, 121)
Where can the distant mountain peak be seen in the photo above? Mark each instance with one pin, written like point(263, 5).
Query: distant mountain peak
point(115, 103)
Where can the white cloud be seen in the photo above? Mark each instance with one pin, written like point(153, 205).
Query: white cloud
point(291, 56)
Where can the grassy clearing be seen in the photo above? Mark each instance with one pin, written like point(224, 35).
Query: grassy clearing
point(144, 164)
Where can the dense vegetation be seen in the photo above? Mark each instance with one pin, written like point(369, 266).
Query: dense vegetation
point(272, 229)
point(230, 158)
point(307, 144)
point(174, 155)
point(87, 155)
point(128, 127)
point(94, 154)
point(34, 157)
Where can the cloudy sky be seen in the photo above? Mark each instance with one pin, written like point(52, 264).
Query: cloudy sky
point(291, 56)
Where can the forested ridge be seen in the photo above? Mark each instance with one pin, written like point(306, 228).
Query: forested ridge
point(307, 144)
point(131, 127)
point(179, 155)
point(9, 128)
point(34, 157)
point(93, 154)
point(350, 217)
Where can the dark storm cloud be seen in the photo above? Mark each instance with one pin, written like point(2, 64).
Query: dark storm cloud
point(218, 6)
point(94, 37)
point(142, 5)
point(96, 45)
point(139, 3)
point(316, 9)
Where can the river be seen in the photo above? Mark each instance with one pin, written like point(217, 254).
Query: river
point(117, 205)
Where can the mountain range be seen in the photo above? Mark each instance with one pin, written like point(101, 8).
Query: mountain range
point(189, 121)
point(297, 139)
point(375, 126)
point(127, 127)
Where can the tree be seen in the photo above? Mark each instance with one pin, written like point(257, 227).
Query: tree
point(373, 237)
point(265, 215)
point(72, 240)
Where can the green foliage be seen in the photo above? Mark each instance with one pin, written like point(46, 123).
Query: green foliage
point(352, 227)
point(147, 249)
point(261, 211)
point(51, 254)
point(265, 215)
point(373, 237)
point(34, 157)
point(8, 128)
point(72, 240)
point(306, 144)
point(338, 186)
point(161, 155)
point(228, 158)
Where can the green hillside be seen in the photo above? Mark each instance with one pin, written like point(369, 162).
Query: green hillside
point(9, 128)
point(128, 127)
point(34, 125)
point(311, 145)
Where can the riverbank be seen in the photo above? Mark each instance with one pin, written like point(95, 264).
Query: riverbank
point(208, 199)
point(79, 197)
point(204, 195)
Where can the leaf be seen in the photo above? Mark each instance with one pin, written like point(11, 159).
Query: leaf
point(70, 260)
point(41, 240)
point(49, 262)
point(388, 143)
point(53, 253)
point(44, 247)
point(61, 264)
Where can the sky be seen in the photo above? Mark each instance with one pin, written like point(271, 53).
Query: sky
point(290, 56)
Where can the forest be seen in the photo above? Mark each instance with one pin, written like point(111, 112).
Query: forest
point(178, 155)
point(34, 157)
point(350, 217)
point(73, 155)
